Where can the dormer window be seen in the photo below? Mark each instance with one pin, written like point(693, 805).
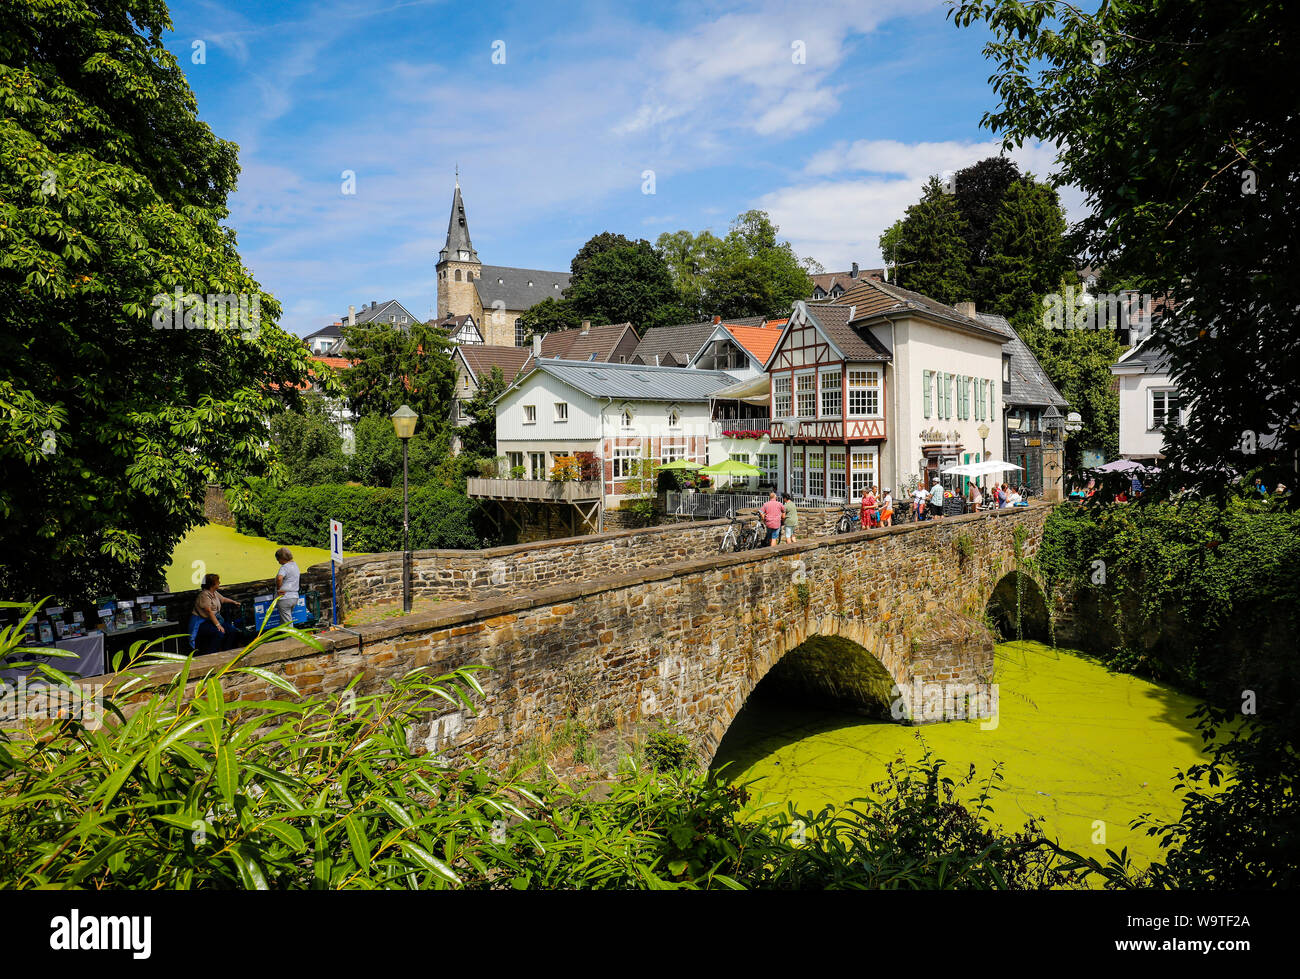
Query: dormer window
point(674, 418)
point(501, 281)
point(626, 418)
point(530, 283)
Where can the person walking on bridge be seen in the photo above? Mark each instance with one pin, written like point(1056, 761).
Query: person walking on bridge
point(773, 513)
point(790, 526)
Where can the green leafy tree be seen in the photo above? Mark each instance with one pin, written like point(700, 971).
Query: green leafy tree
point(395, 367)
point(929, 248)
point(625, 283)
point(594, 246)
point(750, 272)
point(479, 438)
point(1187, 155)
point(310, 448)
point(1078, 362)
point(112, 197)
point(981, 190)
point(1024, 255)
point(548, 316)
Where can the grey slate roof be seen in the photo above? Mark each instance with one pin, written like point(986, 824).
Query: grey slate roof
point(1148, 355)
point(513, 289)
point(457, 232)
point(333, 331)
point(1030, 384)
point(856, 343)
point(635, 382)
point(682, 341)
point(390, 311)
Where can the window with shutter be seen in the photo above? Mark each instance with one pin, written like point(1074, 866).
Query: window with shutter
point(925, 393)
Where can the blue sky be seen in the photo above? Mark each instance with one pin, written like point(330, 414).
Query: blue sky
point(552, 144)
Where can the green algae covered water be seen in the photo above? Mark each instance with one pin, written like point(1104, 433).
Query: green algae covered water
point(1077, 743)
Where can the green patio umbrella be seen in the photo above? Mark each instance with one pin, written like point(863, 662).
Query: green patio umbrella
point(730, 467)
point(680, 464)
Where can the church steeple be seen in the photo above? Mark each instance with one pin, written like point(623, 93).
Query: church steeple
point(458, 248)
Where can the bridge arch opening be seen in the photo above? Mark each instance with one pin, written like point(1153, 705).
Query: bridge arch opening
point(1017, 608)
point(826, 674)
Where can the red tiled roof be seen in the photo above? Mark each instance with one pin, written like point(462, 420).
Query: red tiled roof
point(758, 340)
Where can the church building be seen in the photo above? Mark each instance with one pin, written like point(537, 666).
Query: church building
point(494, 295)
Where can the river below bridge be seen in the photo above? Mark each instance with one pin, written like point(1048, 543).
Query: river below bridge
point(1077, 744)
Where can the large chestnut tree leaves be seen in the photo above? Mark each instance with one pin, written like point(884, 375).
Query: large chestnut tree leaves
point(1175, 123)
point(112, 191)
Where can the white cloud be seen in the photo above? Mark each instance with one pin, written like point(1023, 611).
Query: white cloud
point(839, 221)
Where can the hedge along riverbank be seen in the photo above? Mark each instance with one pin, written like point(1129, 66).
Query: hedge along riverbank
point(371, 517)
point(1206, 595)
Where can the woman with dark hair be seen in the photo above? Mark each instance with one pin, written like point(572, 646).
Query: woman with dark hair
point(212, 635)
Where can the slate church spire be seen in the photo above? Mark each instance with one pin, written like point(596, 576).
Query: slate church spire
point(458, 248)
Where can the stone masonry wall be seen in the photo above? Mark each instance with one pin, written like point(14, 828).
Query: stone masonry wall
point(500, 571)
point(685, 640)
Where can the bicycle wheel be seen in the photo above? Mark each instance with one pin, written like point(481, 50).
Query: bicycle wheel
point(844, 525)
point(728, 541)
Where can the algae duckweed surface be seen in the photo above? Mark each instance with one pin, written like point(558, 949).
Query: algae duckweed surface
point(1077, 744)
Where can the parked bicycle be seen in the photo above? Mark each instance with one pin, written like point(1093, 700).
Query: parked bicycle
point(850, 520)
point(741, 536)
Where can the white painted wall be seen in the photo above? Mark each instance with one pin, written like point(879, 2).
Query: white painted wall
point(1137, 439)
point(922, 346)
point(544, 390)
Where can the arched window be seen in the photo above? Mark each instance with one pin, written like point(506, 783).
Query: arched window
point(520, 337)
point(458, 275)
point(627, 418)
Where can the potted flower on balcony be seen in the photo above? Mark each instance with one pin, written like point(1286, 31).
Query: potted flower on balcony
point(565, 469)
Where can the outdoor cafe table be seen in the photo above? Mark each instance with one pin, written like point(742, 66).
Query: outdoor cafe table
point(89, 650)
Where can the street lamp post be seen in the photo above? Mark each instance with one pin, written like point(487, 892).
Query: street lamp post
point(404, 422)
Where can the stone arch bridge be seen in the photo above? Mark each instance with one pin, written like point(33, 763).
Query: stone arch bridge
point(629, 627)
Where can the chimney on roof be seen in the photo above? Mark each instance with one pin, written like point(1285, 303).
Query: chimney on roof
point(374, 303)
point(352, 315)
point(966, 309)
point(656, 360)
point(717, 320)
point(854, 273)
point(537, 345)
point(586, 325)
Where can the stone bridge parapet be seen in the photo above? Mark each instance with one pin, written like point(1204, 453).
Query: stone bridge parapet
point(683, 640)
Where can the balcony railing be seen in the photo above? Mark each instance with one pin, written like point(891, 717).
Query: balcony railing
point(722, 425)
point(532, 489)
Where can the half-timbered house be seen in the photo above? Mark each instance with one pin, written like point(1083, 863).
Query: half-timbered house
point(882, 387)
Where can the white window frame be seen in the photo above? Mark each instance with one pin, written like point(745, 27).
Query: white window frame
point(816, 492)
point(530, 414)
point(795, 476)
point(1165, 393)
point(770, 463)
point(867, 390)
point(537, 465)
point(625, 457)
point(810, 390)
point(865, 474)
point(836, 488)
point(836, 388)
point(672, 452)
point(782, 390)
point(561, 412)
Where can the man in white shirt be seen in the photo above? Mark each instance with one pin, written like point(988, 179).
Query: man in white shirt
point(936, 499)
point(286, 586)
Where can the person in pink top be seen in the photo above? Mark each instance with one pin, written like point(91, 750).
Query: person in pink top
point(773, 513)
